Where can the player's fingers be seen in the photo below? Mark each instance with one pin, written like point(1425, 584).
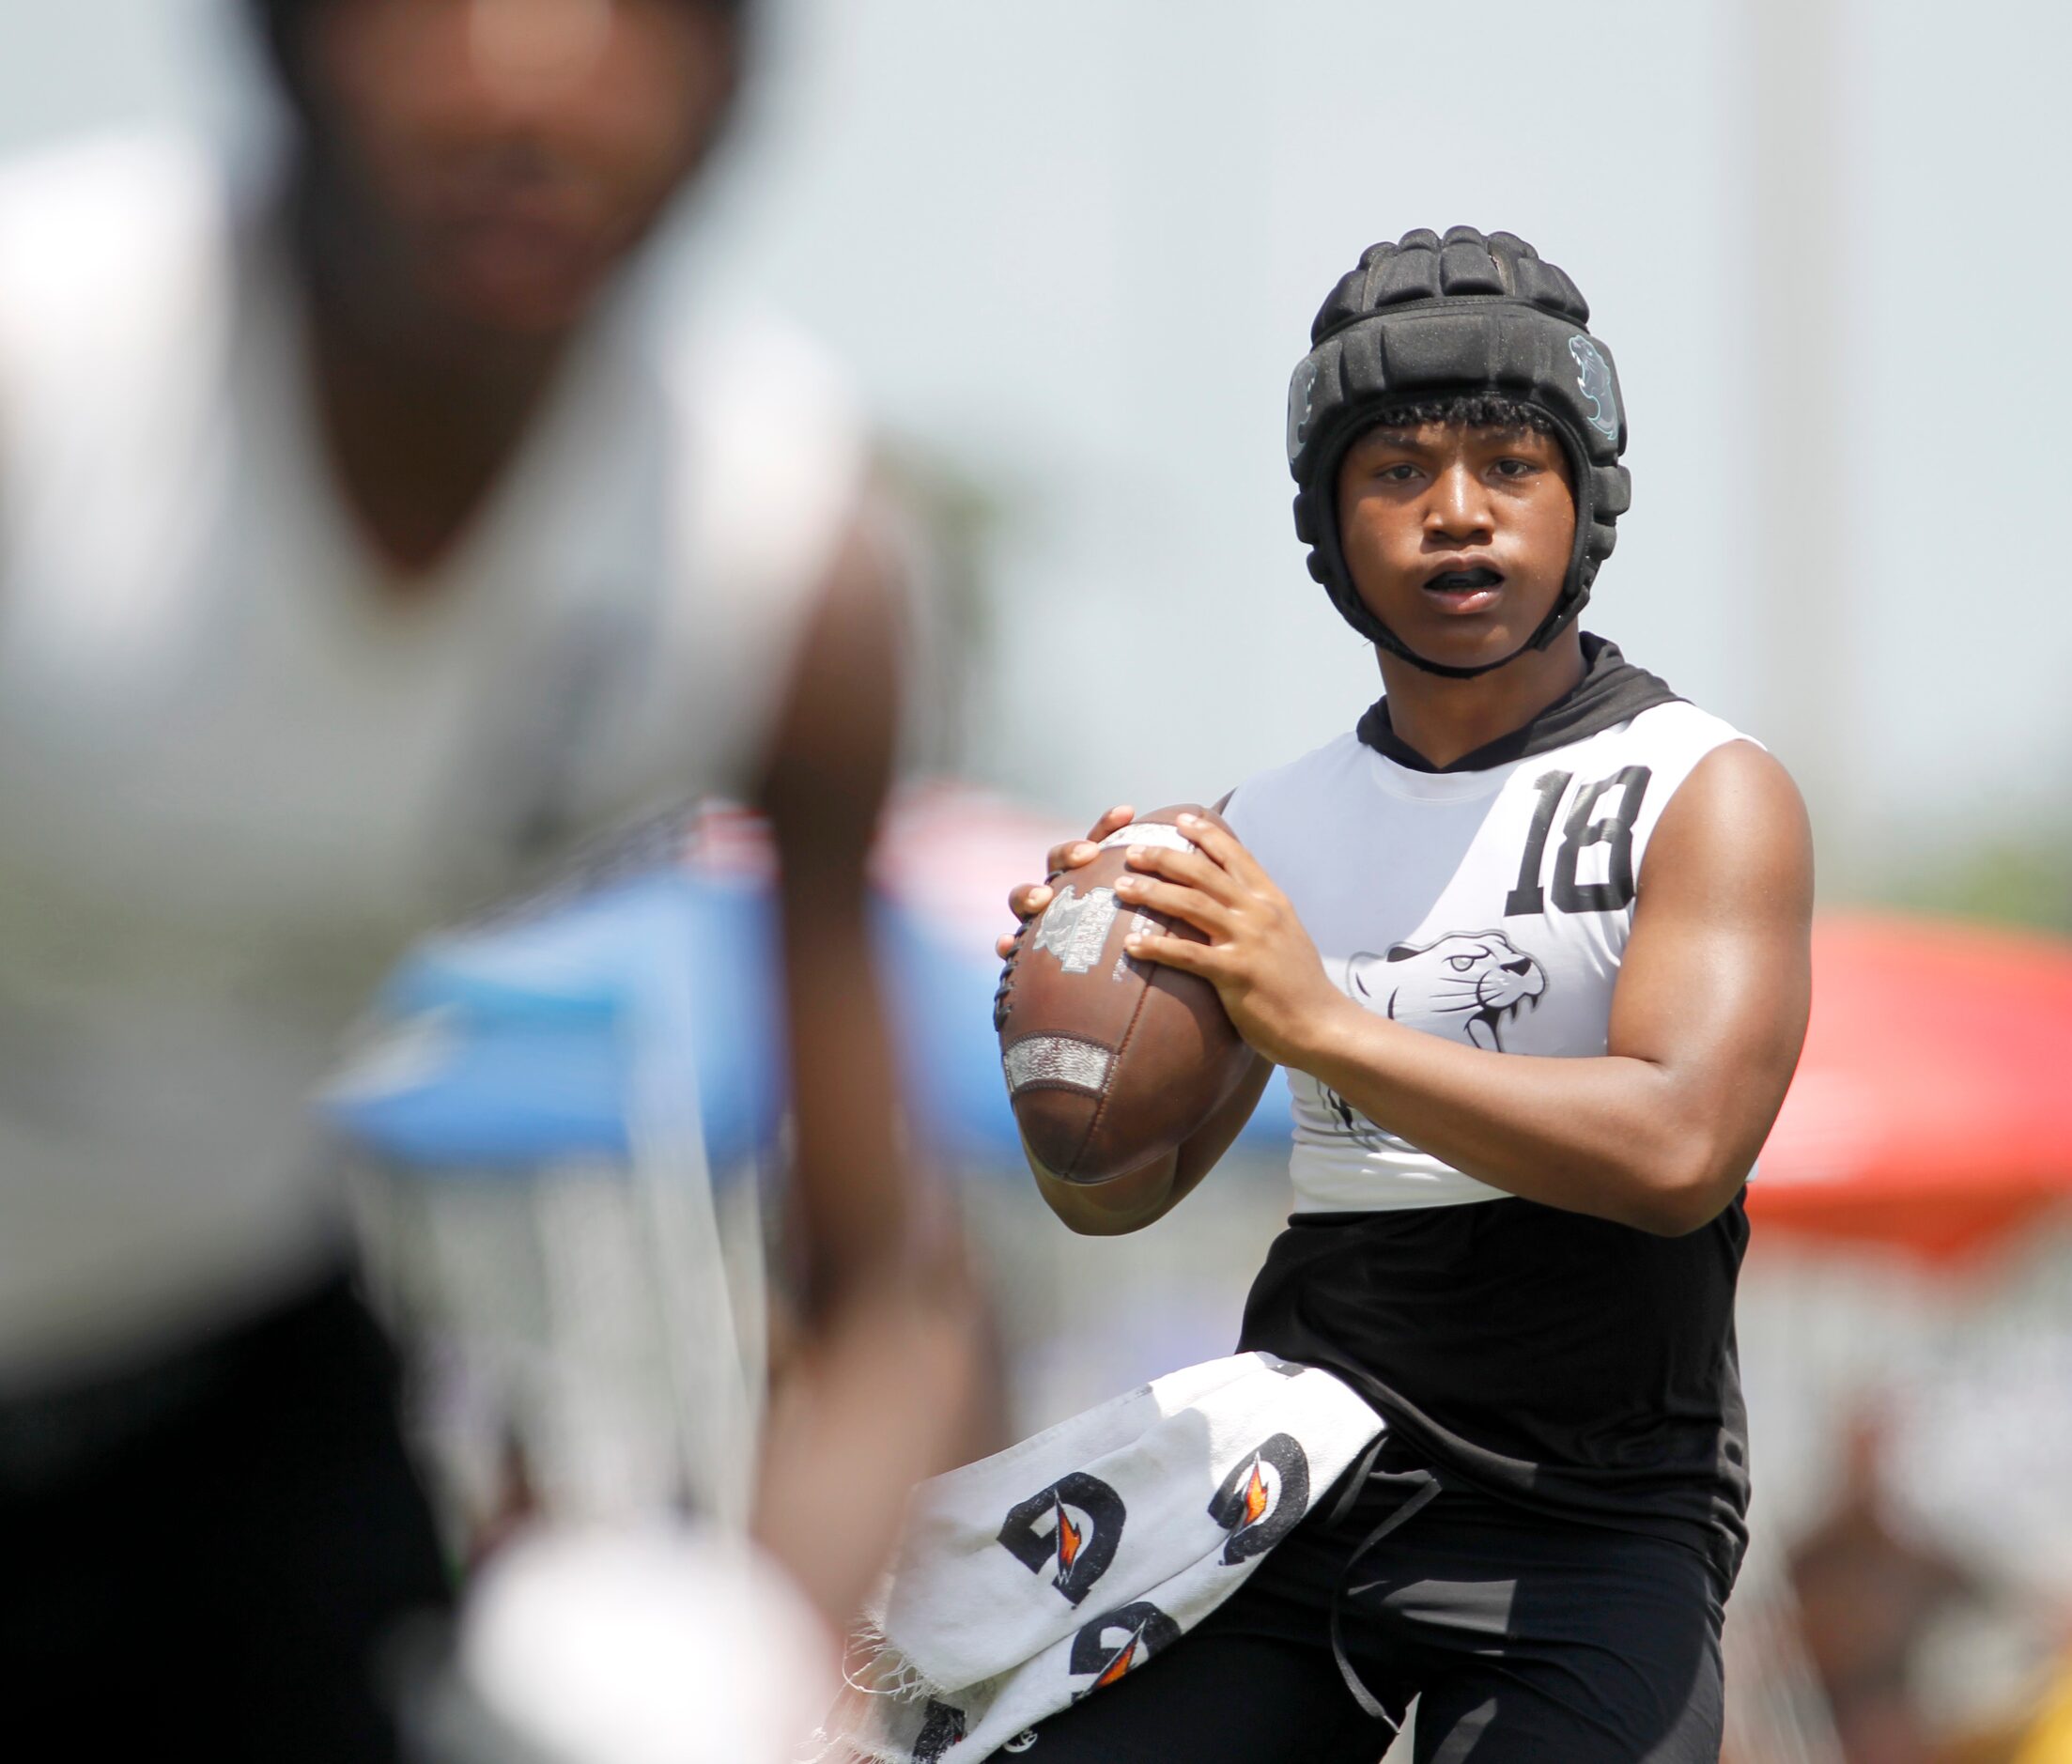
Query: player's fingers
point(1225, 847)
point(1192, 868)
point(1203, 911)
point(1160, 945)
point(1029, 900)
point(1074, 852)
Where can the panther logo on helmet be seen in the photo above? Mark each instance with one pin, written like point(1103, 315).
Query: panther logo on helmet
point(1593, 377)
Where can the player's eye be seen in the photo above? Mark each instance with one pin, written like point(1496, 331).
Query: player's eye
point(1514, 468)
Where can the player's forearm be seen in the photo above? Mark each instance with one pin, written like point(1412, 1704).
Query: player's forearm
point(854, 1198)
point(1620, 1139)
point(878, 1399)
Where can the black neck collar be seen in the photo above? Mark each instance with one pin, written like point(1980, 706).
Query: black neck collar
point(1611, 691)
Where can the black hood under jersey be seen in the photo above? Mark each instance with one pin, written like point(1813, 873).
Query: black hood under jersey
point(1612, 691)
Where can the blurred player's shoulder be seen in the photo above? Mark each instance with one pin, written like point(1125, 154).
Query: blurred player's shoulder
point(100, 187)
point(117, 272)
point(752, 364)
point(774, 450)
point(107, 225)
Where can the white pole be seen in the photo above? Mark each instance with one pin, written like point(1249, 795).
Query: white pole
point(1803, 590)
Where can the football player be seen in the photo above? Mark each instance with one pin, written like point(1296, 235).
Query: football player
point(374, 531)
point(1530, 944)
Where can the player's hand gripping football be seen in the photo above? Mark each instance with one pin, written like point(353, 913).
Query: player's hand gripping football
point(1031, 898)
point(1259, 957)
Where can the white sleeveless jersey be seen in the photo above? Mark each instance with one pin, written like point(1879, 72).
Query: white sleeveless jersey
point(239, 770)
point(1490, 907)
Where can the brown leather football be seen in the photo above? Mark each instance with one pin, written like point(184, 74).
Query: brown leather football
point(1110, 1062)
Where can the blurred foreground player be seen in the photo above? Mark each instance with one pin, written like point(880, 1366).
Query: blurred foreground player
point(1531, 945)
point(367, 536)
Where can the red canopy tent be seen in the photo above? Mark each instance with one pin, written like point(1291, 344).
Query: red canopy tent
point(1933, 1104)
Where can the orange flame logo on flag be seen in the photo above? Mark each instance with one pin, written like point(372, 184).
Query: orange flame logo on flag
point(1254, 1496)
point(1069, 1538)
point(1125, 1656)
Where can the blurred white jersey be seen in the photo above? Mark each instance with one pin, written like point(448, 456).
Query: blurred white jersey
point(239, 769)
point(1490, 906)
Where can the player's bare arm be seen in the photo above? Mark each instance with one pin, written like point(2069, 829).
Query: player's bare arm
point(825, 788)
point(888, 1305)
point(1706, 1017)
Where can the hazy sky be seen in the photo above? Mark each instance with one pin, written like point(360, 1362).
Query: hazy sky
point(1074, 249)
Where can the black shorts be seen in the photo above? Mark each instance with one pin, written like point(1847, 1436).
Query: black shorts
point(210, 1554)
point(1522, 1637)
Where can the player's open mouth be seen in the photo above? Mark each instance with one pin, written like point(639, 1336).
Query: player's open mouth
point(1464, 590)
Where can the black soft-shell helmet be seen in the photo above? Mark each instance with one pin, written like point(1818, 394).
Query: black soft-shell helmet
point(1429, 318)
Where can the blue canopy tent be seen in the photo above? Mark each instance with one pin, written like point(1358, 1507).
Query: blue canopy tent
point(623, 1056)
point(508, 1047)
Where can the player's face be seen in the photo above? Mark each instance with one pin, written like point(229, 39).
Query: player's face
point(511, 153)
point(1458, 538)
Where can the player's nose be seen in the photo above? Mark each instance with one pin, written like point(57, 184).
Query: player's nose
point(1457, 506)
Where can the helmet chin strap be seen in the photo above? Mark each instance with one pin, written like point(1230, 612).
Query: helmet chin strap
point(1445, 671)
point(1556, 621)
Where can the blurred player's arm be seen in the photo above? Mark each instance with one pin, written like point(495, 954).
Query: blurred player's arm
point(1708, 1015)
point(875, 1396)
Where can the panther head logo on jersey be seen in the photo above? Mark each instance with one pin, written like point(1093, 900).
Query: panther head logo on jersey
point(1468, 983)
